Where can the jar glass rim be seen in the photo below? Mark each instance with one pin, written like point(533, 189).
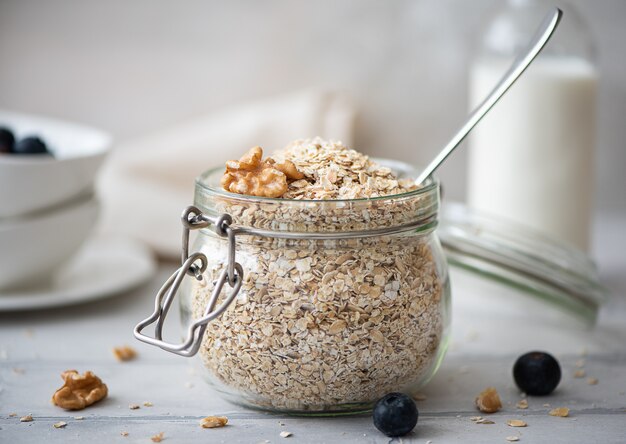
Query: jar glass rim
point(414, 210)
point(431, 186)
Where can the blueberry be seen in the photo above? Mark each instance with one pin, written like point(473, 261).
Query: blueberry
point(30, 145)
point(395, 414)
point(537, 373)
point(7, 140)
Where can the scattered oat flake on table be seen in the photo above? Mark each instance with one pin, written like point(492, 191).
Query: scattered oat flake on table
point(211, 422)
point(488, 401)
point(59, 425)
point(484, 421)
point(512, 438)
point(124, 433)
point(579, 373)
point(475, 418)
point(158, 437)
point(516, 423)
point(522, 404)
point(27, 418)
point(559, 411)
point(79, 418)
point(147, 404)
point(12, 415)
point(285, 434)
point(133, 406)
point(592, 381)
point(124, 353)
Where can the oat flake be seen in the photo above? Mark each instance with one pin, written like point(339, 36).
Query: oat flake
point(559, 411)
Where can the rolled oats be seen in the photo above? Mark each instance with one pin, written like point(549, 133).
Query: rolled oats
point(592, 381)
point(559, 411)
point(522, 404)
point(320, 323)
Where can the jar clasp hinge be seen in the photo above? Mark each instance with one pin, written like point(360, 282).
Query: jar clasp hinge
point(193, 219)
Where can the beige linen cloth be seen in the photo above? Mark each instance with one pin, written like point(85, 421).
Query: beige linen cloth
point(147, 182)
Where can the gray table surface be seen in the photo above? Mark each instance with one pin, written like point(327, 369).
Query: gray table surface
point(35, 347)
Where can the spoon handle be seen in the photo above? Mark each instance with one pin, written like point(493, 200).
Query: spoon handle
point(543, 34)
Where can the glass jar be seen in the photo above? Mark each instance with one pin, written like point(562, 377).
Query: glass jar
point(341, 301)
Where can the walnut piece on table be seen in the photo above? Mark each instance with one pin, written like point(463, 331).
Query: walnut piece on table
point(488, 401)
point(79, 391)
point(253, 176)
point(158, 437)
point(124, 353)
point(211, 422)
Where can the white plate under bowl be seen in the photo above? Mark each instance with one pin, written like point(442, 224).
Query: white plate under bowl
point(105, 266)
point(34, 248)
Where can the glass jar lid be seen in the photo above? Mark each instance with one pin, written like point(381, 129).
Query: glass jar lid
point(516, 256)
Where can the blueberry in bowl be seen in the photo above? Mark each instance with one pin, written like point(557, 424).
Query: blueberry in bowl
point(30, 145)
point(7, 140)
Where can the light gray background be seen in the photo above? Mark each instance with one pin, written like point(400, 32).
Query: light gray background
point(134, 66)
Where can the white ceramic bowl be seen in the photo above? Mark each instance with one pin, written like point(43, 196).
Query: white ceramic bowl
point(33, 248)
point(33, 183)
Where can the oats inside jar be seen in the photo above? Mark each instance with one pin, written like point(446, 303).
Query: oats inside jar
point(352, 308)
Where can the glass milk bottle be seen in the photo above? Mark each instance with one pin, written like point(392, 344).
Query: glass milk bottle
point(531, 159)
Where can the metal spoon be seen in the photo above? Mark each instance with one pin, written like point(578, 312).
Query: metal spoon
point(543, 34)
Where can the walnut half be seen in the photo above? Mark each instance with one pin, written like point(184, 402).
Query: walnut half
point(254, 176)
point(488, 401)
point(79, 391)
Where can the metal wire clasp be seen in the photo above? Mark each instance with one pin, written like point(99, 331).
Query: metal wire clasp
point(192, 219)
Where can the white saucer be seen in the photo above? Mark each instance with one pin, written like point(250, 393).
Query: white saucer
point(104, 266)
